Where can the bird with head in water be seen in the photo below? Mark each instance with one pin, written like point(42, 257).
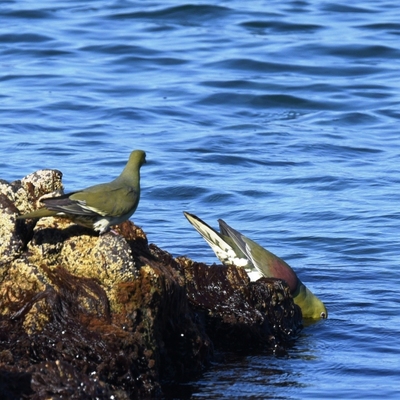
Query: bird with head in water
point(100, 206)
point(231, 247)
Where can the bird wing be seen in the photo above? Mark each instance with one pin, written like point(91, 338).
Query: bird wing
point(103, 200)
point(223, 246)
point(266, 262)
point(64, 205)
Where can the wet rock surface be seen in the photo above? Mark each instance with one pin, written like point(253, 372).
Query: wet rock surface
point(83, 316)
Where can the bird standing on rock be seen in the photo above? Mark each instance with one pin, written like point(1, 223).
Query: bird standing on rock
point(100, 206)
point(231, 247)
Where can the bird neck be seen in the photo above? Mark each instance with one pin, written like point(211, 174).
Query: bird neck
point(130, 174)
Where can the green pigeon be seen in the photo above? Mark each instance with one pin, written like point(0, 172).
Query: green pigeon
point(231, 247)
point(100, 206)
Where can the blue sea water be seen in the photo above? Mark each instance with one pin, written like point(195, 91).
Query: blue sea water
point(280, 117)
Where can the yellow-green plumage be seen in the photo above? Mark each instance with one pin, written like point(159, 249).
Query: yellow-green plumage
point(231, 247)
point(100, 206)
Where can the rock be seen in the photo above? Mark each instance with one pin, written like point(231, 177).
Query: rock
point(241, 314)
point(22, 196)
point(12, 240)
point(88, 316)
point(26, 192)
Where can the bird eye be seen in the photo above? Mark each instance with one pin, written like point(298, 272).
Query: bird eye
point(323, 315)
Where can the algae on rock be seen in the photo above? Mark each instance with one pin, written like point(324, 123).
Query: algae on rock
point(113, 312)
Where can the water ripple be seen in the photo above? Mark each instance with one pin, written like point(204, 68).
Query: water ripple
point(279, 117)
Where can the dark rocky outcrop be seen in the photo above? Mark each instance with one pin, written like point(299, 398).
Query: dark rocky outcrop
point(84, 316)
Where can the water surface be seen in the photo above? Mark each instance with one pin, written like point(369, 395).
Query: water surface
point(282, 118)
